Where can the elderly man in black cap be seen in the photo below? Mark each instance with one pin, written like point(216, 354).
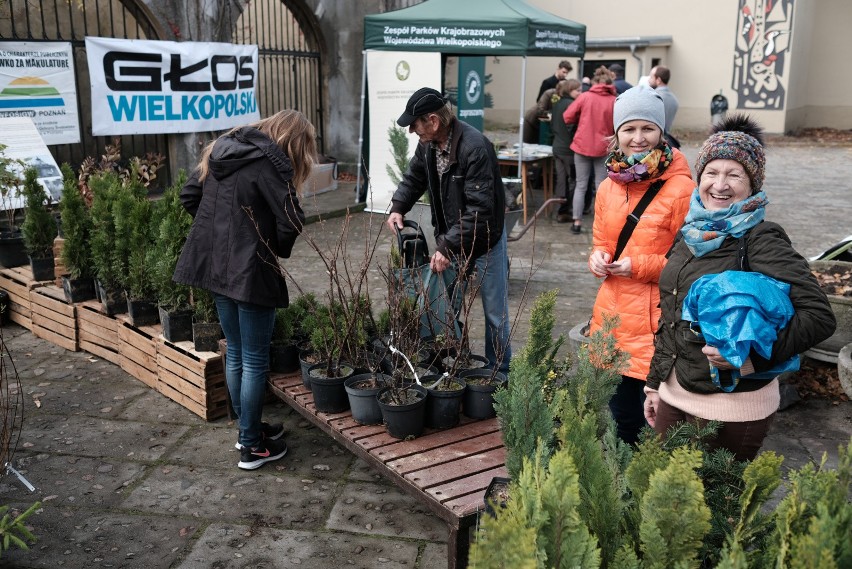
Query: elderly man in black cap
point(457, 165)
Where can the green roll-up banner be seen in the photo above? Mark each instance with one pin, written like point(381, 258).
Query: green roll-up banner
point(471, 107)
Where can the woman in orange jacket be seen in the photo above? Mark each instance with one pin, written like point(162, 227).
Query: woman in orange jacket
point(640, 161)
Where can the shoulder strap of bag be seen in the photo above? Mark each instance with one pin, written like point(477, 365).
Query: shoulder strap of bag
point(633, 219)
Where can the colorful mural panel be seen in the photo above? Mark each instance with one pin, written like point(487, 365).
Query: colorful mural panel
point(763, 40)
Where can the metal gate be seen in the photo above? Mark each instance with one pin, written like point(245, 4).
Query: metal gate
point(71, 21)
point(290, 65)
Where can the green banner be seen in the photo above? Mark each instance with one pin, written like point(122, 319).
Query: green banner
point(471, 107)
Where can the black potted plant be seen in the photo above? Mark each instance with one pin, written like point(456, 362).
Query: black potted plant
point(78, 284)
point(105, 187)
point(329, 339)
point(206, 330)
point(12, 251)
point(132, 217)
point(283, 354)
point(39, 227)
point(171, 224)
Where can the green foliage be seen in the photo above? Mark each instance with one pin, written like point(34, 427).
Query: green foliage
point(13, 532)
point(526, 418)
point(39, 227)
point(131, 212)
point(203, 306)
point(398, 138)
point(76, 228)
point(170, 224)
point(105, 187)
point(674, 515)
point(10, 185)
point(666, 503)
point(286, 322)
point(301, 308)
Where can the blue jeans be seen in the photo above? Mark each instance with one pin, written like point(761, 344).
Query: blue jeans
point(493, 270)
point(248, 330)
point(628, 409)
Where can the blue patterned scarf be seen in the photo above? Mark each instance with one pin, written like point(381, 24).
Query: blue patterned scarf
point(705, 230)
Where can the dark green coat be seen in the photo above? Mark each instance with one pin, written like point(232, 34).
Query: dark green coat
point(769, 252)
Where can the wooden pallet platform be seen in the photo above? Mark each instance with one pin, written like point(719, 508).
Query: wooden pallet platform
point(53, 318)
point(97, 333)
point(18, 282)
point(195, 380)
point(448, 471)
point(137, 350)
point(58, 268)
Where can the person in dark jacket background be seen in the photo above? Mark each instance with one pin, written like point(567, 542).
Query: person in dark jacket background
point(244, 200)
point(563, 156)
point(457, 165)
point(723, 231)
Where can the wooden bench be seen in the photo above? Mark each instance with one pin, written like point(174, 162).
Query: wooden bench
point(448, 471)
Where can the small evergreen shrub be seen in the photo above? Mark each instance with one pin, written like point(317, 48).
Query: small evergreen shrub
point(39, 227)
point(171, 224)
point(76, 228)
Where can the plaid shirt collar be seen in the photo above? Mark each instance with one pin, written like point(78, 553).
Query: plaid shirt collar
point(442, 155)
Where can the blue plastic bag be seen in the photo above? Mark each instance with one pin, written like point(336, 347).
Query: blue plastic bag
point(439, 298)
point(739, 311)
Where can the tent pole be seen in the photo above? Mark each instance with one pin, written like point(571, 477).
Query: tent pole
point(521, 120)
point(361, 122)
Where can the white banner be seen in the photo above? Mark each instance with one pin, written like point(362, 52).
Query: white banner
point(37, 81)
point(393, 77)
point(153, 87)
point(24, 144)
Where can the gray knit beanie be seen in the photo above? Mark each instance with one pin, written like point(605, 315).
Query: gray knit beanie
point(639, 103)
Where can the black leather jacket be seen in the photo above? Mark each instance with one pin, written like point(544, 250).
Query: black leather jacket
point(225, 252)
point(468, 202)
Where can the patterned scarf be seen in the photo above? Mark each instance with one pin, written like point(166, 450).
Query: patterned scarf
point(705, 230)
point(637, 167)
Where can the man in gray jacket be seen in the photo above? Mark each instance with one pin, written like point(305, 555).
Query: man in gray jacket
point(457, 165)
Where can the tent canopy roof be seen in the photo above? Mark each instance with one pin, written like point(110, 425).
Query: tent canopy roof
point(475, 27)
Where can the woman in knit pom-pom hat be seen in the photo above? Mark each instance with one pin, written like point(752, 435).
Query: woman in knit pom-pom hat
point(725, 231)
point(640, 162)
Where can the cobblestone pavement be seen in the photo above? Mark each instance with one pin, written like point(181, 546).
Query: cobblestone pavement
point(131, 479)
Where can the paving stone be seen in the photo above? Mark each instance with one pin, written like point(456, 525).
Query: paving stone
point(364, 507)
point(258, 547)
point(264, 496)
point(63, 479)
point(79, 539)
point(92, 436)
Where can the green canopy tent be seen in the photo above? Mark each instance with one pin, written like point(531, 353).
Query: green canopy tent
point(471, 27)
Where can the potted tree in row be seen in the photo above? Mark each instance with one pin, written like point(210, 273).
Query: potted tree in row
point(78, 285)
point(39, 228)
point(12, 251)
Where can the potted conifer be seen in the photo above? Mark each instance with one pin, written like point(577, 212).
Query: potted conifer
point(206, 330)
point(78, 284)
point(132, 217)
point(283, 354)
point(171, 224)
point(105, 187)
point(39, 228)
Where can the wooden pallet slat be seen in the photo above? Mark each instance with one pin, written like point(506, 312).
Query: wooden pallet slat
point(17, 282)
point(97, 333)
point(53, 319)
point(137, 348)
point(194, 380)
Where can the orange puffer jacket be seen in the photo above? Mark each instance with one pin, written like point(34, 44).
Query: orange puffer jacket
point(636, 300)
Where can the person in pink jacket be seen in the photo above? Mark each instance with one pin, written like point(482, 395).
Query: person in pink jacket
point(592, 113)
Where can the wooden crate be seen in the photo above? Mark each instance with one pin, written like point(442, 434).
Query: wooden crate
point(53, 318)
point(195, 380)
point(137, 350)
point(18, 282)
point(97, 333)
point(58, 268)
